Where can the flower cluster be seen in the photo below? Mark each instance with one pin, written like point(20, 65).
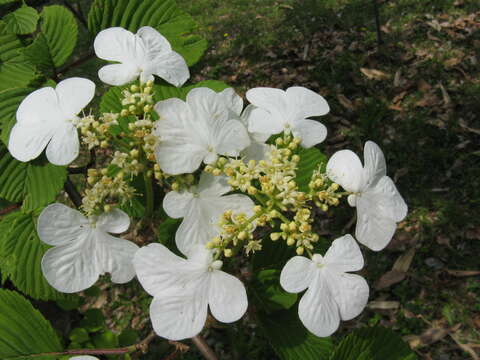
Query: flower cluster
point(232, 174)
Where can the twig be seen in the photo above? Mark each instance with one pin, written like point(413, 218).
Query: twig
point(377, 22)
point(9, 209)
point(72, 192)
point(203, 347)
point(83, 169)
point(141, 346)
point(78, 62)
point(78, 14)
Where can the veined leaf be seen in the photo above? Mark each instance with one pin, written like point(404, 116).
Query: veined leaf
point(111, 99)
point(290, 339)
point(37, 183)
point(9, 102)
point(14, 75)
point(163, 15)
point(21, 251)
point(21, 21)
point(23, 329)
point(10, 45)
point(376, 343)
point(58, 37)
point(310, 159)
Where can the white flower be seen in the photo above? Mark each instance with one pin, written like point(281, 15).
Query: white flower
point(332, 294)
point(379, 205)
point(84, 357)
point(83, 250)
point(257, 148)
point(183, 290)
point(45, 119)
point(143, 54)
point(197, 130)
point(278, 110)
point(201, 208)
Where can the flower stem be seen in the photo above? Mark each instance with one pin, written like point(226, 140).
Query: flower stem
point(148, 193)
point(141, 346)
point(203, 347)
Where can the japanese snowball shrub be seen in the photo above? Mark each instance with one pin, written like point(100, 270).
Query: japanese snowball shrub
point(332, 293)
point(83, 248)
point(196, 131)
point(277, 110)
point(201, 206)
point(183, 289)
point(379, 204)
point(46, 119)
point(144, 54)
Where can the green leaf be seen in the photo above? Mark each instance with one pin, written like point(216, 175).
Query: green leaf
point(22, 252)
point(9, 102)
point(93, 320)
point(310, 160)
point(270, 294)
point(106, 339)
point(15, 75)
point(274, 255)
point(58, 37)
point(128, 337)
point(163, 15)
point(290, 339)
point(23, 330)
point(21, 21)
point(37, 183)
point(79, 335)
point(10, 46)
point(167, 230)
point(377, 343)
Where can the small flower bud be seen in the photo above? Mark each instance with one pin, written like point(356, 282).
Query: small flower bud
point(217, 172)
point(134, 153)
point(150, 83)
point(124, 113)
point(134, 88)
point(132, 108)
point(242, 235)
point(175, 186)
point(290, 241)
point(228, 253)
point(104, 144)
point(275, 236)
point(300, 250)
point(107, 208)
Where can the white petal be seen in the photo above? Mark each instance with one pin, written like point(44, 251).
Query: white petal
point(159, 270)
point(74, 94)
point(231, 138)
point(178, 315)
point(388, 200)
point(27, 141)
point(271, 100)
point(174, 110)
point(64, 146)
point(373, 230)
point(261, 121)
point(297, 274)
point(207, 106)
point(40, 107)
point(317, 308)
point(310, 131)
point(177, 157)
point(350, 292)
point(60, 225)
point(238, 203)
point(304, 103)
point(227, 297)
point(154, 43)
point(73, 267)
point(233, 101)
point(374, 161)
point(344, 254)
point(345, 168)
point(116, 44)
point(256, 151)
point(118, 74)
point(117, 257)
point(84, 357)
point(198, 226)
point(170, 67)
point(213, 186)
point(115, 221)
point(176, 204)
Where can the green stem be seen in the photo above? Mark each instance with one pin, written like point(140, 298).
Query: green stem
point(148, 193)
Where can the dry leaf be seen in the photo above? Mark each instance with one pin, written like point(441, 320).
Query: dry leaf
point(347, 104)
point(374, 74)
point(463, 273)
point(404, 261)
point(383, 305)
point(390, 278)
